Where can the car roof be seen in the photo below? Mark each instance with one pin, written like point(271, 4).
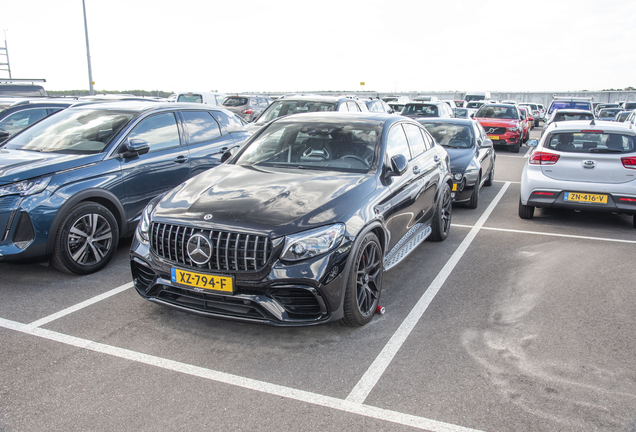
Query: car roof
point(139, 106)
point(450, 120)
point(579, 125)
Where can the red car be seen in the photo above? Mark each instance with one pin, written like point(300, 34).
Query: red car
point(503, 124)
point(526, 115)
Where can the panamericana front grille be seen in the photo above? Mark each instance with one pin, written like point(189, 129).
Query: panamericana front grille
point(231, 251)
point(495, 130)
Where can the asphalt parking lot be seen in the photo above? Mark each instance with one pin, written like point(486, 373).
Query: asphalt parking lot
point(508, 325)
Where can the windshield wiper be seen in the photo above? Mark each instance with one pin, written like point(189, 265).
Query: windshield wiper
point(605, 150)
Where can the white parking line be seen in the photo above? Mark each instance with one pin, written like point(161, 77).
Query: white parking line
point(79, 306)
point(247, 383)
point(549, 234)
point(507, 181)
point(382, 361)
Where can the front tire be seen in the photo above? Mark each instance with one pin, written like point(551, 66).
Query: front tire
point(491, 176)
point(442, 217)
point(364, 282)
point(86, 240)
point(525, 211)
point(474, 197)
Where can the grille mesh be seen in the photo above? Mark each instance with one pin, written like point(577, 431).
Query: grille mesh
point(231, 251)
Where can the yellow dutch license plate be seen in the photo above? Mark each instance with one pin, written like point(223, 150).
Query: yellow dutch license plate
point(454, 187)
point(493, 137)
point(585, 197)
point(201, 280)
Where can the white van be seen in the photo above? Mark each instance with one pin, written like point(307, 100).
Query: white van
point(207, 98)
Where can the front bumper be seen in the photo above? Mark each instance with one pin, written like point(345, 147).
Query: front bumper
point(283, 294)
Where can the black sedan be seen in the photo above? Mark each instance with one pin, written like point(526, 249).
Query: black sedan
point(472, 157)
point(298, 227)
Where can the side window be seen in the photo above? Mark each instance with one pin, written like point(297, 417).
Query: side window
point(363, 107)
point(201, 126)
point(396, 143)
point(353, 106)
point(343, 107)
point(160, 131)
point(229, 123)
point(428, 139)
point(264, 103)
point(415, 139)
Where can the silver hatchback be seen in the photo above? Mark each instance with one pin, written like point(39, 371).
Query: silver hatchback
point(581, 165)
point(246, 106)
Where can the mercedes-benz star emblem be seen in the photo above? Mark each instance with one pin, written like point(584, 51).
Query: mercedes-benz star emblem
point(199, 249)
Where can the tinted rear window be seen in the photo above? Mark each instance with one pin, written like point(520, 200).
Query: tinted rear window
point(233, 101)
point(570, 105)
point(196, 98)
point(629, 105)
point(421, 110)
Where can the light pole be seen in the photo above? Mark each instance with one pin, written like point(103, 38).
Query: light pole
point(88, 54)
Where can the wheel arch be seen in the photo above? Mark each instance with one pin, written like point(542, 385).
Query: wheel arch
point(99, 196)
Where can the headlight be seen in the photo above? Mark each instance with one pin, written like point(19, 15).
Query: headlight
point(27, 187)
point(144, 223)
point(312, 243)
point(513, 129)
point(457, 176)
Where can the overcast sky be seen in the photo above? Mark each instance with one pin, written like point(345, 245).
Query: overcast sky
point(298, 45)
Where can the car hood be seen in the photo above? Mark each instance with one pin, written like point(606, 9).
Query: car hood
point(487, 121)
point(270, 201)
point(459, 158)
point(18, 165)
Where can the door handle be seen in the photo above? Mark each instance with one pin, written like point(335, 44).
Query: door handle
point(180, 159)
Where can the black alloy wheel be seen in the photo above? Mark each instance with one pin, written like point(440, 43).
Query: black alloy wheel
point(86, 240)
point(442, 217)
point(364, 282)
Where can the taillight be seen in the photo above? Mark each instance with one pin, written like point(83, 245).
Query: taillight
point(628, 199)
point(543, 158)
point(247, 111)
point(543, 193)
point(629, 162)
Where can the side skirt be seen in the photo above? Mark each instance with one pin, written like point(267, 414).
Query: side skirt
point(406, 245)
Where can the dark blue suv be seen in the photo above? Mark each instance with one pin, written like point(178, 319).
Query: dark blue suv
point(72, 184)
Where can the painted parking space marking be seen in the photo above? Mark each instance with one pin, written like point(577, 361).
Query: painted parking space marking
point(234, 380)
point(79, 306)
point(549, 234)
point(370, 378)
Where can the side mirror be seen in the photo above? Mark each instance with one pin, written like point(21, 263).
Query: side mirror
point(399, 165)
point(532, 143)
point(134, 147)
point(487, 143)
point(227, 153)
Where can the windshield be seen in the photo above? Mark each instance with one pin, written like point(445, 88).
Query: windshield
point(421, 110)
point(234, 101)
point(450, 135)
point(460, 112)
point(332, 146)
point(570, 105)
point(84, 131)
point(497, 111)
point(592, 141)
point(610, 112)
point(469, 98)
point(282, 108)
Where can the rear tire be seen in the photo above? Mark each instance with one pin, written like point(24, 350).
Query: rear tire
point(525, 211)
point(515, 149)
point(442, 217)
point(86, 240)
